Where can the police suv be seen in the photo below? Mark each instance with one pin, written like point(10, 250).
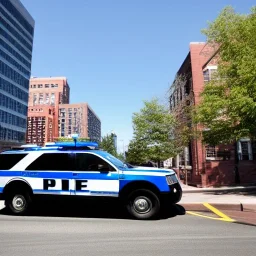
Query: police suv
point(81, 169)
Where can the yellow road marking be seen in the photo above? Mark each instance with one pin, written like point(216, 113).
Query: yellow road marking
point(217, 212)
point(223, 217)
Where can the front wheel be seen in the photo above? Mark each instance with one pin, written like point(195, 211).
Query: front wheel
point(143, 204)
point(17, 203)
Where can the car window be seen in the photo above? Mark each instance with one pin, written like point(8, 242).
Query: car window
point(90, 162)
point(7, 161)
point(115, 161)
point(53, 162)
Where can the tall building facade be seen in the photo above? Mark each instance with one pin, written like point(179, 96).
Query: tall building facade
point(207, 165)
point(16, 45)
point(79, 119)
point(45, 96)
point(40, 125)
point(51, 116)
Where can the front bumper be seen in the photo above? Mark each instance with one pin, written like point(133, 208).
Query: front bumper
point(174, 195)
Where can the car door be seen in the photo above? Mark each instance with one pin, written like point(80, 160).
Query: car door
point(51, 173)
point(94, 176)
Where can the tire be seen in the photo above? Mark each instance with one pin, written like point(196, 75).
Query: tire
point(143, 204)
point(17, 203)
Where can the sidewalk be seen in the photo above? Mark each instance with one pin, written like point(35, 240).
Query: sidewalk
point(191, 189)
point(238, 198)
point(210, 197)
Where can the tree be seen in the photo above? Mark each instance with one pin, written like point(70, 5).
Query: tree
point(228, 102)
point(136, 153)
point(120, 156)
point(64, 139)
point(107, 144)
point(153, 134)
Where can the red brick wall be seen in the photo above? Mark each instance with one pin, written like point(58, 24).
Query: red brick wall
point(198, 59)
point(219, 173)
point(247, 170)
point(214, 173)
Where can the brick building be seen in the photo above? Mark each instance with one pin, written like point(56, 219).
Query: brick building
point(40, 124)
point(79, 118)
point(51, 116)
point(207, 165)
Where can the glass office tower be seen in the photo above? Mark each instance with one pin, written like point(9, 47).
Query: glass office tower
point(16, 44)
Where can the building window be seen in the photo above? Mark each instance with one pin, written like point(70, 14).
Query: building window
point(15, 53)
point(41, 98)
point(215, 153)
point(15, 43)
point(14, 63)
point(12, 74)
point(46, 86)
point(34, 99)
point(206, 75)
point(8, 5)
point(16, 25)
point(40, 86)
point(209, 74)
point(245, 149)
point(47, 98)
point(53, 99)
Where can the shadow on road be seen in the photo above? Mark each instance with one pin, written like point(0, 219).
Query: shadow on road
point(90, 209)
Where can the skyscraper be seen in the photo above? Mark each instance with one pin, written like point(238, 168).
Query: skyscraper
point(16, 44)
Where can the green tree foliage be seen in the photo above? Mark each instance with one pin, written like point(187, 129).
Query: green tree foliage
point(63, 139)
point(107, 144)
point(136, 153)
point(228, 103)
point(120, 156)
point(153, 134)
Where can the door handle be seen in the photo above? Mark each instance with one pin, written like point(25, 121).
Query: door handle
point(75, 174)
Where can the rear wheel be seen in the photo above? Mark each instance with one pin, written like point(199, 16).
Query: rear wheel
point(18, 202)
point(143, 204)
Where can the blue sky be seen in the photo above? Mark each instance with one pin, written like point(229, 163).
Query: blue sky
point(117, 53)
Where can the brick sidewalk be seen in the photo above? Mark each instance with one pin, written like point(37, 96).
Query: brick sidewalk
point(242, 216)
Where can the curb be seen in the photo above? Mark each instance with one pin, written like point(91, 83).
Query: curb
point(221, 206)
point(249, 207)
point(236, 189)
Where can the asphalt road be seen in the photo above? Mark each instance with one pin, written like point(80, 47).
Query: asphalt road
point(102, 234)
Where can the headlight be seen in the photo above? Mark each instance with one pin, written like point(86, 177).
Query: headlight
point(171, 179)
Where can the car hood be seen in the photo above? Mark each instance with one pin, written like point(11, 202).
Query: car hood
point(151, 170)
